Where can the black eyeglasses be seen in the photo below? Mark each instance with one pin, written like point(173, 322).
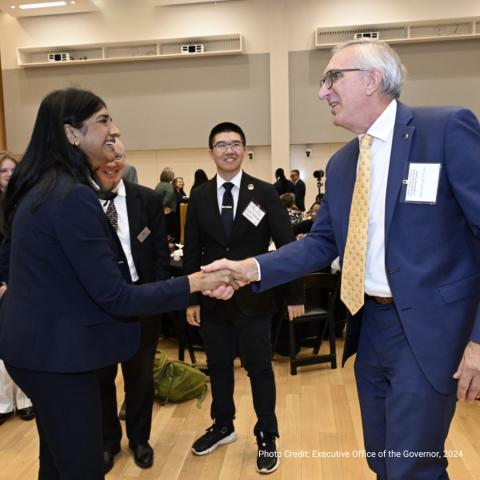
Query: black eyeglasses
point(333, 75)
point(236, 146)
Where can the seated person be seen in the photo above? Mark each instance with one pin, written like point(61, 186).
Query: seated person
point(288, 201)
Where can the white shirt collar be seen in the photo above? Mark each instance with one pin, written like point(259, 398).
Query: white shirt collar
point(236, 180)
point(383, 126)
point(120, 189)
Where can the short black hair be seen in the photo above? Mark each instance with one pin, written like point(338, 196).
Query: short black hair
point(295, 171)
point(225, 127)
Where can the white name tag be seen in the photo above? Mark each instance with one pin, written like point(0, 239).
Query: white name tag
point(422, 182)
point(143, 234)
point(253, 213)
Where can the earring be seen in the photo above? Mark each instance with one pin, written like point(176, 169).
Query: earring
point(76, 143)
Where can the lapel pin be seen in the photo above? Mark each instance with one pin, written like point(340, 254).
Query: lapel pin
point(250, 186)
point(406, 136)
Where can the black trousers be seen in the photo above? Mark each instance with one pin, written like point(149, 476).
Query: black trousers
point(222, 329)
point(68, 421)
point(138, 381)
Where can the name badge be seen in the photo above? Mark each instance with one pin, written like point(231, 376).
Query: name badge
point(143, 234)
point(253, 213)
point(422, 183)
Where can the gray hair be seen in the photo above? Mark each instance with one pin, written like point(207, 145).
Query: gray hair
point(374, 54)
point(167, 175)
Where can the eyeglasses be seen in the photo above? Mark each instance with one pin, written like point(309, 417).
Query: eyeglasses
point(333, 75)
point(222, 146)
point(6, 170)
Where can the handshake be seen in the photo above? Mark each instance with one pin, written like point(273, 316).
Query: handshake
point(221, 278)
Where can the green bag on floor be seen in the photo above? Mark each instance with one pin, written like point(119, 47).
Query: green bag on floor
point(176, 381)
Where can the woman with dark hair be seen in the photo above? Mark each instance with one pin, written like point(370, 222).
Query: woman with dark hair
point(199, 178)
point(69, 305)
point(283, 185)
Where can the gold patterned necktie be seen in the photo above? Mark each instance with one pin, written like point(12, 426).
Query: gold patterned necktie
point(353, 271)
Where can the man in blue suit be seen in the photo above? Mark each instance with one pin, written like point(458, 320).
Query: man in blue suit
point(415, 325)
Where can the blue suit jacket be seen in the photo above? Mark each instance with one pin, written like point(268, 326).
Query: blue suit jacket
point(69, 304)
point(432, 252)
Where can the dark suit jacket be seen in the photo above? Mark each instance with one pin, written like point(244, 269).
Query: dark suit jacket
point(432, 251)
point(150, 255)
point(205, 239)
point(300, 194)
point(67, 287)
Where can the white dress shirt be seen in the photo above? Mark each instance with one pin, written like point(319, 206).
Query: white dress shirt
point(123, 231)
point(376, 282)
point(236, 180)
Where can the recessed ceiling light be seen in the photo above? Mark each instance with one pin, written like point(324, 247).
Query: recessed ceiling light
point(29, 6)
point(73, 2)
point(12, 6)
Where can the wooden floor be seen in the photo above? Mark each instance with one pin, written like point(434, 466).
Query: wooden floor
point(318, 415)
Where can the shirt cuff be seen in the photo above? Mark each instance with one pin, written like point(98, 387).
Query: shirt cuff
point(259, 272)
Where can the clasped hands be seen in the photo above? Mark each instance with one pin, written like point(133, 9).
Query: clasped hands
point(221, 278)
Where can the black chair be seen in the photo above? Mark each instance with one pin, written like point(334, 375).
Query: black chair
point(322, 291)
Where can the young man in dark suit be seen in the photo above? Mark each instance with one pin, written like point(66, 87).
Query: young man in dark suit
point(299, 186)
point(235, 215)
point(141, 230)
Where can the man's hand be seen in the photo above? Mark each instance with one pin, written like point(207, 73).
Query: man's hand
point(243, 272)
point(295, 311)
point(193, 315)
point(468, 373)
point(3, 289)
point(202, 281)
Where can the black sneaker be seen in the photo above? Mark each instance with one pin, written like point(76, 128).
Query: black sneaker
point(214, 437)
point(268, 458)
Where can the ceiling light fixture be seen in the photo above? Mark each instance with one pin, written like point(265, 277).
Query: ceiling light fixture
point(30, 6)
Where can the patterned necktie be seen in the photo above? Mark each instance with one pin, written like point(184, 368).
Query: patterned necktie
point(227, 208)
point(353, 271)
point(112, 214)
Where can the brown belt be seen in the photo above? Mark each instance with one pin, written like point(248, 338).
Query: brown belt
point(381, 300)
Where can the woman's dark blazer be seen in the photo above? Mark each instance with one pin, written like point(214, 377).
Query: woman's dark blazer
point(69, 300)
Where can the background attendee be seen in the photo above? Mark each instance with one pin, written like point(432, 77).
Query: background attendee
point(69, 303)
point(235, 215)
point(310, 216)
point(288, 201)
point(178, 185)
point(282, 184)
point(410, 256)
point(199, 178)
point(299, 186)
point(181, 197)
point(130, 173)
point(12, 398)
point(166, 190)
point(141, 230)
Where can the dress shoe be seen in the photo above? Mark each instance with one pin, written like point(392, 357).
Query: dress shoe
point(26, 413)
point(108, 458)
point(142, 454)
point(5, 416)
